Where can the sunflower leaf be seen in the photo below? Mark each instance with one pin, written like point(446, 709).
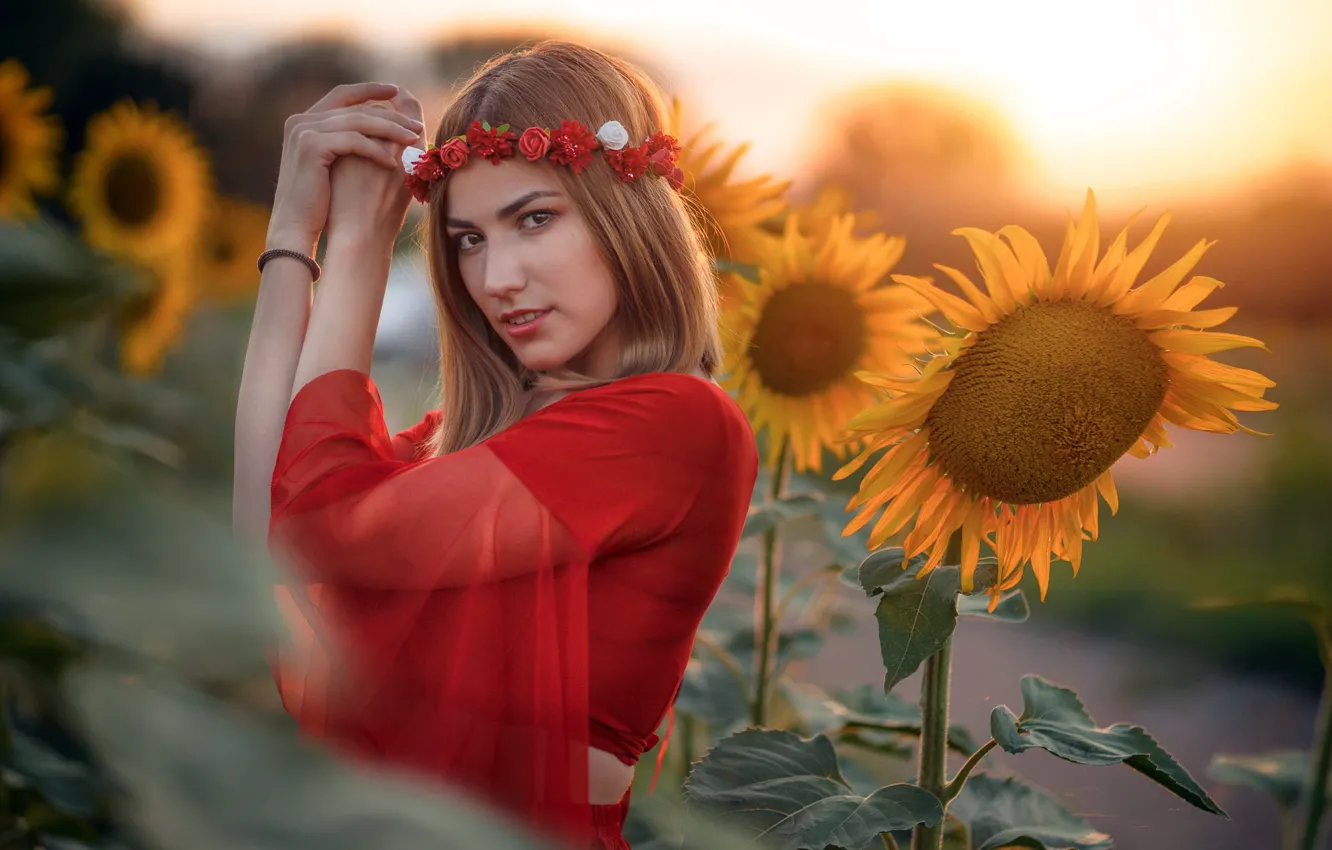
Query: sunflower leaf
point(1280, 773)
point(883, 570)
point(771, 514)
point(49, 281)
point(1012, 607)
point(1054, 719)
point(66, 784)
point(915, 618)
point(791, 794)
point(1010, 813)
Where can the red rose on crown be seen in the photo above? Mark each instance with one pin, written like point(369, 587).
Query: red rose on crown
point(534, 143)
point(572, 144)
point(453, 154)
point(660, 141)
point(629, 163)
point(492, 143)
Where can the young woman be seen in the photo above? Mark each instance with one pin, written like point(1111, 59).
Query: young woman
point(504, 596)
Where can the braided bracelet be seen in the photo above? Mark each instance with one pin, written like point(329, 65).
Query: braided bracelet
point(295, 255)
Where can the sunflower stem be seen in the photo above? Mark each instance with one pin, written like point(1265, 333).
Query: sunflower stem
point(1316, 784)
point(765, 626)
point(932, 774)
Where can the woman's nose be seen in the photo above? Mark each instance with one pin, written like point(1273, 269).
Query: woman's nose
point(504, 275)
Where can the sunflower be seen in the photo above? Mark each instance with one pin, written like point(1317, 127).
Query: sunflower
point(29, 142)
point(232, 238)
point(141, 185)
point(822, 310)
point(155, 330)
point(831, 203)
point(1010, 434)
point(729, 213)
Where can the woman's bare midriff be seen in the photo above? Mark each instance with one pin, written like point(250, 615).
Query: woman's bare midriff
point(607, 778)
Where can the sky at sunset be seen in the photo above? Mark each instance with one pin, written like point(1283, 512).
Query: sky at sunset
point(1131, 97)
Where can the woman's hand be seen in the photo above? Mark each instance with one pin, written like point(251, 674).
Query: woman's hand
point(345, 123)
point(368, 199)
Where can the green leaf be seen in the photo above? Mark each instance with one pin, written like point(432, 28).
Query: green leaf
point(711, 693)
point(197, 773)
point(66, 784)
point(1009, 813)
point(748, 271)
point(870, 705)
point(790, 793)
point(49, 280)
point(1280, 773)
point(1012, 607)
point(915, 621)
point(771, 514)
point(1054, 719)
point(485, 125)
point(956, 836)
point(503, 128)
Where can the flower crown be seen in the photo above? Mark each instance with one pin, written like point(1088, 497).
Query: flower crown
point(571, 144)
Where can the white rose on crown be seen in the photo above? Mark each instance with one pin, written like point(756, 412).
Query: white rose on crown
point(613, 136)
point(409, 157)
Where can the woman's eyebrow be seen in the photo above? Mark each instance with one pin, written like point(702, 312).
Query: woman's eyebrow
point(510, 208)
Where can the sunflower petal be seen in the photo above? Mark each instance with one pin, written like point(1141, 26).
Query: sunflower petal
point(1129, 270)
point(1030, 257)
point(1087, 241)
point(1199, 366)
point(983, 245)
point(957, 311)
point(987, 309)
point(1152, 294)
point(1161, 319)
point(1202, 342)
point(1105, 483)
point(1191, 294)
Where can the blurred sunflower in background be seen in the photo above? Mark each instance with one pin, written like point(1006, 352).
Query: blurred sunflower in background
point(141, 186)
point(1010, 434)
point(729, 212)
point(154, 330)
point(830, 204)
point(822, 311)
point(29, 143)
point(233, 236)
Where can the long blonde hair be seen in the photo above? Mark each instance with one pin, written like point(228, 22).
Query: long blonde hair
point(666, 315)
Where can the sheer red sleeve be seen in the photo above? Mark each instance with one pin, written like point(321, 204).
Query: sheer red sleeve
point(438, 606)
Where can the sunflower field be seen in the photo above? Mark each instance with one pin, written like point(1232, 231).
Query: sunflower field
point(934, 450)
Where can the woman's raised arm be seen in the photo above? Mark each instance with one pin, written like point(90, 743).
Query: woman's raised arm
point(339, 125)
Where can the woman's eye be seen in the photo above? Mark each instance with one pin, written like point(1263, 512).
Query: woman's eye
point(463, 241)
point(537, 218)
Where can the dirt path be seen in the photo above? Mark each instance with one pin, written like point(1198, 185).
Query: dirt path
point(1192, 714)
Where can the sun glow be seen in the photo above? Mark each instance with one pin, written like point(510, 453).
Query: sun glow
point(1126, 96)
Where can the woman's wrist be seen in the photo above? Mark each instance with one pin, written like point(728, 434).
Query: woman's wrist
point(291, 240)
point(364, 244)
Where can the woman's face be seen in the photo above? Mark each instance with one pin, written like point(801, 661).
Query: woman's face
point(530, 262)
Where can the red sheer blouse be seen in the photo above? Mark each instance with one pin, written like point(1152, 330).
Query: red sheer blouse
point(485, 616)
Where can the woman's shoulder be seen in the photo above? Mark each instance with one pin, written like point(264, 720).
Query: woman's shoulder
point(679, 398)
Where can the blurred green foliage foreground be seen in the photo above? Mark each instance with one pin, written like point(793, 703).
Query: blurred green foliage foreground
point(137, 704)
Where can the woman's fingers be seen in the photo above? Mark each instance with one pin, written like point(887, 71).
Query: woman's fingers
point(352, 94)
point(352, 143)
point(367, 123)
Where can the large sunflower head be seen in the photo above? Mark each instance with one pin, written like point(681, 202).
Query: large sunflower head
point(141, 185)
point(29, 143)
point(232, 238)
point(157, 326)
point(1010, 434)
point(821, 311)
